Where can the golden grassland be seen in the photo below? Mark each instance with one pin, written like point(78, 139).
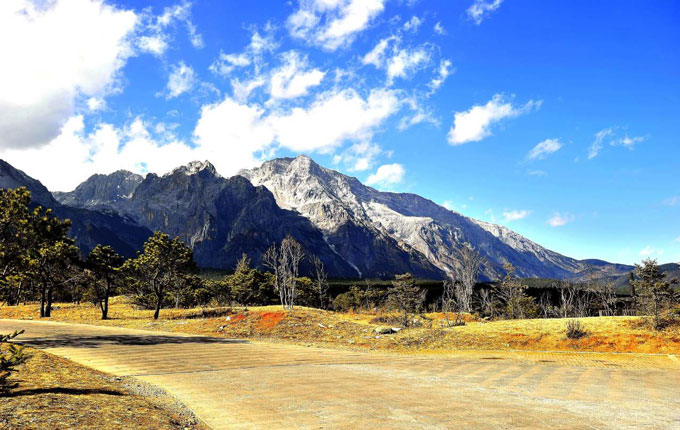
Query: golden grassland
point(308, 326)
point(55, 393)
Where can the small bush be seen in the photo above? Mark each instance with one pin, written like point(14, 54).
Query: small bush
point(14, 356)
point(575, 330)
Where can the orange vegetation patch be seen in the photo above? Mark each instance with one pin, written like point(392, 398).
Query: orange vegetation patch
point(237, 318)
point(269, 320)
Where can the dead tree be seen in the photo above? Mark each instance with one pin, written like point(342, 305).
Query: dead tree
point(321, 281)
point(469, 265)
point(285, 263)
point(567, 296)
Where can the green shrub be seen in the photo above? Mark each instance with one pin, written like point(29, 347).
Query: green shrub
point(9, 361)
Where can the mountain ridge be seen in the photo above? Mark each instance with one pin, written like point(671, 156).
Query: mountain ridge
point(361, 231)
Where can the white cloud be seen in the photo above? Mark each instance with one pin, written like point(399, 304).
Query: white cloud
point(671, 201)
point(413, 24)
point(60, 52)
point(74, 155)
point(475, 124)
point(359, 156)
point(628, 142)
point(448, 204)
point(596, 146)
point(155, 45)
point(293, 79)
point(242, 90)
point(537, 173)
point(481, 8)
point(95, 104)
point(648, 251)
point(181, 80)
point(439, 29)
point(625, 141)
point(332, 23)
point(443, 72)
point(558, 219)
point(398, 62)
point(387, 175)
point(405, 62)
point(154, 37)
point(376, 56)
point(515, 215)
point(544, 148)
point(259, 44)
point(334, 117)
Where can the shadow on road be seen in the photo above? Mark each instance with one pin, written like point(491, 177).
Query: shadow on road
point(59, 390)
point(67, 340)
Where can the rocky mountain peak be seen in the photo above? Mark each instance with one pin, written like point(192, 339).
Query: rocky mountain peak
point(194, 168)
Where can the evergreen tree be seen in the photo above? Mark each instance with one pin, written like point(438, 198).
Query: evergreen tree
point(654, 291)
point(406, 296)
point(105, 264)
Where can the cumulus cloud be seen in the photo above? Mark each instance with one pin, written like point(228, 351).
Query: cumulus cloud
point(475, 124)
point(60, 52)
point(181, 80)
point(294, 79)
point(515, 215)
point(480, 9)
point(387, 175)
point(439, 29)
point(544, 148)
point(332, 24)
point(75, 155)
point(333, 118)
point(559, 219)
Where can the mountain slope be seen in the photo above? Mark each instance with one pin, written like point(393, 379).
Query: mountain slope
point(335, 202)
point(220, 218)
point(88, 227)
point(100, 191)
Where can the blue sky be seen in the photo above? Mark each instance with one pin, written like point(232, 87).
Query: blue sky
point(559, 120)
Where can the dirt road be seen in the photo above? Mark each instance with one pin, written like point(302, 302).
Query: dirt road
point(233, 384)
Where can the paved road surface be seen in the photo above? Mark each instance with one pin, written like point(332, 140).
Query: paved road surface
point(234, 384)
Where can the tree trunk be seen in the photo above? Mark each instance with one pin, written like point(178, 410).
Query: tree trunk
point(159, 299)
point(48, 308)
point(42, 302)
point(105, 308)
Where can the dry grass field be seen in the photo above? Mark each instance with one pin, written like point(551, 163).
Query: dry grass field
point(358, 331)
point(55, 393)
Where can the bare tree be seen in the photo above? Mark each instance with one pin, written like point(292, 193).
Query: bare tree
point(270, 259)
point(321, 280)
point(567, 296)
point(486, 299)
point(545, 305)
point(467, 271)
point(607, 297)
point(285, 263)
point(450, 303)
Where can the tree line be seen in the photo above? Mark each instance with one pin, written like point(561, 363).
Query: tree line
point(40, 262)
